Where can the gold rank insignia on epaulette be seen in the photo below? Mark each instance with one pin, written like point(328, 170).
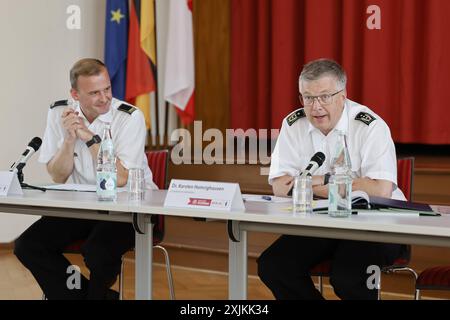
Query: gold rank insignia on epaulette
point(59, 103)
point(365, 118)
point(294, 116)
point(126, 108)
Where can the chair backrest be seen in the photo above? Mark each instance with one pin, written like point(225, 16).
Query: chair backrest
point(158, 162)
point(405, 179)
point(405, 176)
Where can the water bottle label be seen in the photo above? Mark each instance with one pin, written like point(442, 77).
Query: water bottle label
point(106, 184)
point(339, 196)
point(332, 194)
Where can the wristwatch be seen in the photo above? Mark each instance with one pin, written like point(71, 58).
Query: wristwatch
point(95, 139)
point(326, 178)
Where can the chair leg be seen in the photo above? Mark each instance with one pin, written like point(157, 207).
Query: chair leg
point(169, 272)
point(379, 288)
point(417, 295)
point(320, 287)
point(408, 269)
point(412, 272)
point(121, 279)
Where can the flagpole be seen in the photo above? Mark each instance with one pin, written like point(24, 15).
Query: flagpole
point(154, 102)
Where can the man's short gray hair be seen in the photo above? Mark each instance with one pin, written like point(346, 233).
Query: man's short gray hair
point(317, 69)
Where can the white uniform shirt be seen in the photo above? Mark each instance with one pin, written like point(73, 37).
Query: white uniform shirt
point(371, 149)
point(128, 134)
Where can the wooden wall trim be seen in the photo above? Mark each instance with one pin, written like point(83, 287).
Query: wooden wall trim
point(212, 62)
point(6, 246)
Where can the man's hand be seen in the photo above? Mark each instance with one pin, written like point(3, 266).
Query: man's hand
point(60, 167)
point(82, 132)
point(282, 185)
point(70, 122)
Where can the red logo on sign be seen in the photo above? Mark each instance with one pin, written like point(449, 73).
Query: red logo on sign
point(200, 202)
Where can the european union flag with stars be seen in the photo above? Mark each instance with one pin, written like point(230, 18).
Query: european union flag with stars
point(116, 45)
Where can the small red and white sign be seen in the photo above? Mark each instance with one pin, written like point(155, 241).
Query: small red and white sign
point(204, 195)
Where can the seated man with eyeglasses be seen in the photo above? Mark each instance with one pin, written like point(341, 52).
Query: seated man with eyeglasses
point(284, 267)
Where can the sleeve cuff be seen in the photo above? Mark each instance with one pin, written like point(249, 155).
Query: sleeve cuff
point(280, 174)
point(44, 158)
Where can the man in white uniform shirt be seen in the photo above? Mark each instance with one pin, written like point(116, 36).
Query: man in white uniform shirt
point(284, 267)
point(69, 149)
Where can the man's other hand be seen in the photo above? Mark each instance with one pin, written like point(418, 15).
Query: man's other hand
point(282, 185)
point(70, 122)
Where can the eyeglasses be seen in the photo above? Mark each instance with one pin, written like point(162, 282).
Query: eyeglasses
point(323, 99)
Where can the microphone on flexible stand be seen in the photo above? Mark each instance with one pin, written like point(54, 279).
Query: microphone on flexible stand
point(32, 147)
point(316, 161)
point(18, 166)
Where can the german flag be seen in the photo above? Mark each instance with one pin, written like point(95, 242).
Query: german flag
point(141, 56)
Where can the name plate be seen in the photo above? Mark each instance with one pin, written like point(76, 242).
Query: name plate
point(204, 195)
point(9, 184)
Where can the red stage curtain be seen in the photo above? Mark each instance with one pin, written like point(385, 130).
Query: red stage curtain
point(400, 71)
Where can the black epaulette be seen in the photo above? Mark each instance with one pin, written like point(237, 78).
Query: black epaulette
point(365, 118)
point(59, 103)
point(294, 116)
point(126, 108)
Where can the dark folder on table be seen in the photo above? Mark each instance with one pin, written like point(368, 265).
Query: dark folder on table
point(386, 203)
point(361, 200)
point(380, 203)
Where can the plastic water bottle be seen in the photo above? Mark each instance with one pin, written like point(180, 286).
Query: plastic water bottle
point(106, 168)
point(340, 183)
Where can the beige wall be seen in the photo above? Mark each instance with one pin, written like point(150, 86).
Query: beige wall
point(36, 52)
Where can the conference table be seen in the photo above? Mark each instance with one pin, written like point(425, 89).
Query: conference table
point(392, 227)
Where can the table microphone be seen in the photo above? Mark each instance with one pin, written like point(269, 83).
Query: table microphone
point(316, 161)
point(32, 147)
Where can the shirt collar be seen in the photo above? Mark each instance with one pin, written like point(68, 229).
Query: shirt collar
point(342, 124)
point(107, 117)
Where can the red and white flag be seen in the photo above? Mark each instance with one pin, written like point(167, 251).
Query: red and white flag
point(179, 73)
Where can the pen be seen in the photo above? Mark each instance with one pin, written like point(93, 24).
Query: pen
point(268, 198)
